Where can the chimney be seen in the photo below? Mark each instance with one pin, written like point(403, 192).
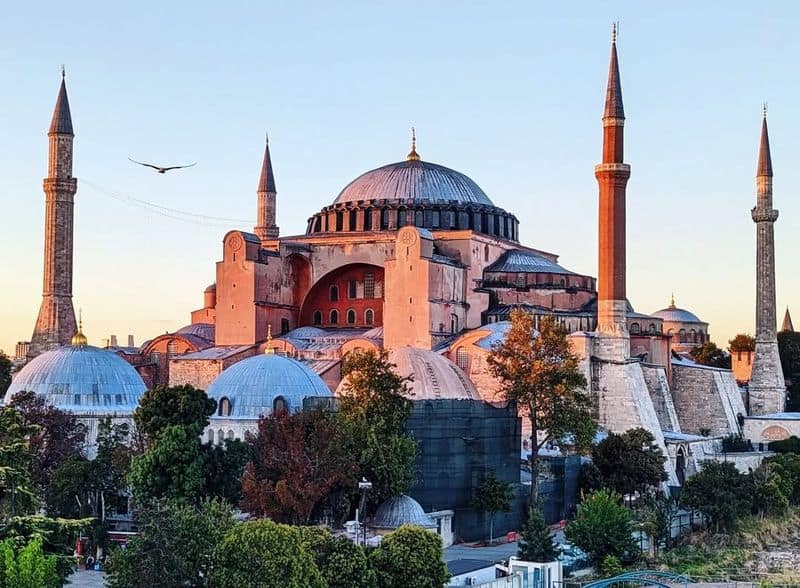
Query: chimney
point(130, 341)
point(113, 341)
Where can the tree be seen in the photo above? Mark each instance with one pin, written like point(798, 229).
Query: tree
point(5, 373)
point(57, 436)
point(742, 342)
point(172, 468)
point(492, 496)
point(630, 462)
point(735, 443)
point(225, 465)
point(174, 547)
point(603, 527)
point(655, 513)
point(27, 568)
point(589, 478)
point(167, 406)
point(719, 492)
point(536, 542)
point(787, 465)
point(410, 557)
point(342, 563)
point(770, 491)
point(296, 464)
point(789, 445)
point(266, 554)
point(789, 351)
point(709, 354)
point(374, 408)
point(542, 375)
point(17, 492)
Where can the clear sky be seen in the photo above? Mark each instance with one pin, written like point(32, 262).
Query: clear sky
point(510, 93)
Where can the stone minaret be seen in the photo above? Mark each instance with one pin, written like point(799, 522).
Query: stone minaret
point(612, 176)
point(265, 222)
point(767, 387)
point(56, 323)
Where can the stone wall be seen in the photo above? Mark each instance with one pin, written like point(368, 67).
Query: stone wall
point(657, 384)
point(706, 398)
point(765, 429)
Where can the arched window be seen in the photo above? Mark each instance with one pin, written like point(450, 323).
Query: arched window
point(453, 323)
point(210, 436)
point(652, 327)
point(436, 219)
point(692, 336)
point(353, 219)
point(220, 436)
point(317, 317)
point(230, 434)
point(462, 358)
point(351, 289)
point(369, 316)
point(334, 317)
point(385, 218)
point(224, 407)
point(401, 217)
point(369, 285)
point(279, 404)
point(419, 218)
point(351, 317)
point(339, 220)
point(368, 219)
point(635, 329)
point(682, 335)
point(485, 253)
point(334, 293)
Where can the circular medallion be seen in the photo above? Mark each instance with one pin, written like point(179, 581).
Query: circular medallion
point(235, 242)
point(409, 237)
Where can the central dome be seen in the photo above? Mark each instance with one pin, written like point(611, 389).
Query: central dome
point(414, 180)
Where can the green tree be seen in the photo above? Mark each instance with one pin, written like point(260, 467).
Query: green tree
point(787, 465)
point(296, 464)
point(374, 407)
point(770, 491)
point(342, 563)
point(536, 541)
point(630, 462)
point(492, 496)
point(225, 465)
point(174, 547)
point(543, 376)
point(790, 445)
point(5, 373)
point(264, 554)
point(167, 406)
point(410, 557)
point(654, 514)
point(18, 494)
point(611, 566)
point(27, 568)
point(742, 342)
point(709, 354)
point(719, 492)
point(603, 527)
point(735, 443)
point(173, 468)
point(789, 351)
point(589, 478)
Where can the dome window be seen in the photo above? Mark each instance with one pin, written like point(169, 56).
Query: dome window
point(682, 335)
point(652, 328)
point(210, 436)
point(635, 329)
point(351, 317)
point(369, 316)
point(317, 317)
point(224, 407)
point(334, 317)
point(279, 404)
point(284, 326)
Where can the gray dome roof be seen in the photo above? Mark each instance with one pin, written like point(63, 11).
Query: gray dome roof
point(520, 261)
point(81, 379)
point(398, 511)
point(202, 330)
point(435, 376)
point(253, 384)
point(414, 180)
point(677, 315)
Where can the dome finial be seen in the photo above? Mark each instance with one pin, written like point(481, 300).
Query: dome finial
point(672, 300)
point(413, 155)
point(79, 339)
point(269, 350)
point(614, 32)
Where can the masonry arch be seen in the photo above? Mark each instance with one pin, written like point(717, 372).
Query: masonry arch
point(359, 288)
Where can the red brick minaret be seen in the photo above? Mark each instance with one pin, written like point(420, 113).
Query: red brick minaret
point(612, 176)
point(267, 195)
point(56, 323)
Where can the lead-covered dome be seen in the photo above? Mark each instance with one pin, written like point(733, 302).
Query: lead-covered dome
point(674, 314)
point(255, 386)
point(81, 379)
point(414, 180)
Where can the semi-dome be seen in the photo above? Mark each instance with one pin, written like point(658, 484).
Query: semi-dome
point(398, 511)
point(256, 385)
point(414, 180)
point(81, 379)
point(202, 330)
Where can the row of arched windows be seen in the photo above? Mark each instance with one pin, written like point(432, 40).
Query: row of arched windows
point(352, 288)
point(351, 317)
point(224, 406)
point(636, 329)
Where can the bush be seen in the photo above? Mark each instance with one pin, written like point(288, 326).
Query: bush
point(611, 566)
point(735, 443)
point(410, 557)
point(603, 527)
point(790, 445)
point(718, 491)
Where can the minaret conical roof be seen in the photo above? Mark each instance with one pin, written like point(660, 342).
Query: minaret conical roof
point(614, 107)
point(62, 119)
point(787, 322)
point(266, 182)
point(764, 156)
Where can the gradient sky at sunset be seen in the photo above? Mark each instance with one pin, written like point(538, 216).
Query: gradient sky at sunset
point(510, 93)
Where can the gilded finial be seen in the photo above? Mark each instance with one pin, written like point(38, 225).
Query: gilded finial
point(413, 155)
point(614, 32)
point(63, 71)
point(269, 350)
point(79, 339)
point(763, 110)
point(672, 300)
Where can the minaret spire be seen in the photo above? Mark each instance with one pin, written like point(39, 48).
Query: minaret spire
point(767, 388)
point(787, 322)
point(612, 177)
point(267, 199)
point(55, 324)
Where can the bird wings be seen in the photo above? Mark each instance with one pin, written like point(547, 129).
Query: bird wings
point(160, 169)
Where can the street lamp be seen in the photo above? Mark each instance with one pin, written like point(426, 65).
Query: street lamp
point(364, 486)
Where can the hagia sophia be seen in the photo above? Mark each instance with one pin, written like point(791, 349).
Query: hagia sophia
point(415, 258)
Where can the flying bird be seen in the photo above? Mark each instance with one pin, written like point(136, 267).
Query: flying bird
point(162, 170)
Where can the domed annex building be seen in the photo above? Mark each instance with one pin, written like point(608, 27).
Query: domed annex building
point(89, 382)
point(686, 330)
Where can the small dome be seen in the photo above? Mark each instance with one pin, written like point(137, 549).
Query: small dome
point(435, 376)
point(202, 330)
point(414, 180)
point(81, 379)
point(398, 511)
point(305, 333)
point(253, 385)
point(676, 315)
point(211, 288)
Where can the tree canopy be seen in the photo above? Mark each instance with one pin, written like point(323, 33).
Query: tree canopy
point(742, 342)
point(718, 491)
point(166, 406)
point(492, 496)
point(5, 373)
point(410, 557)
point(630, 462)
point(603, 527)
point(536, 541)
point(709, 354)
point(540, 372)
